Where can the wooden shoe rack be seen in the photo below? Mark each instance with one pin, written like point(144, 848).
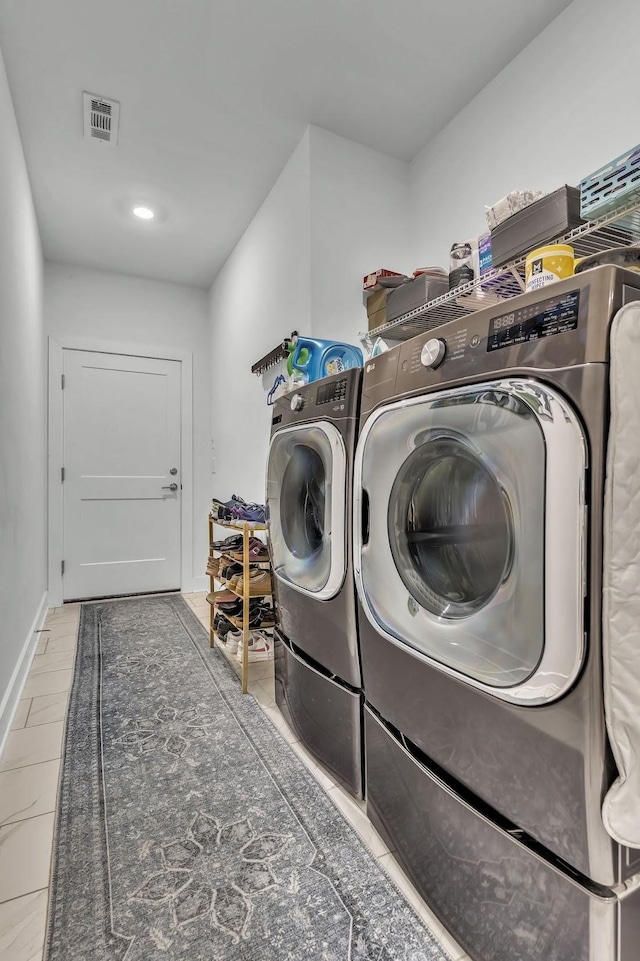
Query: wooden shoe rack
point(242, 590)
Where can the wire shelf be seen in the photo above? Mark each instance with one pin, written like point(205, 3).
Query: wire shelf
point(619, 228)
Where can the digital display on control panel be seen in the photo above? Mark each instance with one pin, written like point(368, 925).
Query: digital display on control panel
point(330, 393)
point(554, 316)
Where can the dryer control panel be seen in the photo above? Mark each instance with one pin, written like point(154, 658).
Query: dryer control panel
point(564, 325)
point(557, 315)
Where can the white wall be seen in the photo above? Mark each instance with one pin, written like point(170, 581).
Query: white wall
point(337, 211)
point(23, 443)
point(359, 222)
point(96, 306)
point(261, 294)
point(565, 106)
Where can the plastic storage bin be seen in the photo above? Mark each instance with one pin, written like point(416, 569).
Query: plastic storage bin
point(541, 222)
point(415, 293)
point(611, 186)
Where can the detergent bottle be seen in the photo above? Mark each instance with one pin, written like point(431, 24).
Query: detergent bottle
point(296, 378)
point(322, 358)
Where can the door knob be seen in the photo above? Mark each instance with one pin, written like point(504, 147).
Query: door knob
point(171, 487)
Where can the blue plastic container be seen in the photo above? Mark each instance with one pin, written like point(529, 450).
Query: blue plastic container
point(324, 357)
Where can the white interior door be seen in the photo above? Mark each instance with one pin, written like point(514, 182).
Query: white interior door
point(121, 455)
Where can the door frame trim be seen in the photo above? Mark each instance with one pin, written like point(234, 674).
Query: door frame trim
point(55, 449)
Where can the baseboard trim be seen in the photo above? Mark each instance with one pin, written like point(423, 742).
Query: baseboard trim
point(11, 698)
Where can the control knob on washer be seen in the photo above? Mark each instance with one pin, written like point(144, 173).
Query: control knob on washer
point(433, 353)
point(297, 402)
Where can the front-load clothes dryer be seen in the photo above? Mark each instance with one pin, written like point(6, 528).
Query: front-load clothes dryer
point(492, 720)
point(309, 497)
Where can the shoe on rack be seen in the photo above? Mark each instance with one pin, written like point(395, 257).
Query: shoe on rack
point(253, 542)
point(213, 566)
point(250, 512)
point(236, 501)
point(225, 628)
point(222, 507)
point(235, 607)
point(261, 618)
point(232, 609)
point(227, 571)
point(232, 639)
point(225, 631)
point(225, 597)
point(222, 623)
point(257, 611)
point(237, 583)
point(259, 583)
point(260, 647)
point(230, 543)
point(258, 553)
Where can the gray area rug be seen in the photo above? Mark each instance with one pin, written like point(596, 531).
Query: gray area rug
point(188, 830)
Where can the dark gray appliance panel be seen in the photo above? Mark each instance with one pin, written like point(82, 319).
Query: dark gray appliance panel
point(498, 900)
point(325, 630)
point(503, 753)
point(485, 744)
point(325, 715)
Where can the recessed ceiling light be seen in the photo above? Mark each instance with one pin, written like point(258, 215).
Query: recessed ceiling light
point(144, 213)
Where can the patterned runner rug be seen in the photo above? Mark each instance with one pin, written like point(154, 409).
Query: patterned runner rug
point(188, 830)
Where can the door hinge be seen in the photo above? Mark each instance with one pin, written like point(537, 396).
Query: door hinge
point(62, 475)
point(62, 568)
point(62, 379)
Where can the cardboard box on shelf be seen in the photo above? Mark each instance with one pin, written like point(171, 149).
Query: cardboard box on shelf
point(376, 304)
point(377, 279)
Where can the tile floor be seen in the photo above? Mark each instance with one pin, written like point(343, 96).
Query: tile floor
point(29, 771)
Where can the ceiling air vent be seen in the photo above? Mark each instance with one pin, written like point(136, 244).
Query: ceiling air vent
point(101, 118)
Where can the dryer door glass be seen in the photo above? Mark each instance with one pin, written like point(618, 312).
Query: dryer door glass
point(474, 547)
point(450, 527)
point(305, 499)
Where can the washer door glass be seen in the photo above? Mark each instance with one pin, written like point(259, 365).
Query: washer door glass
point(450, 527)
point(304, 487)
point(305, 499)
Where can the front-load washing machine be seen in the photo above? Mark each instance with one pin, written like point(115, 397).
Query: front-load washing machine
point(309, 497)
point(499, 708)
